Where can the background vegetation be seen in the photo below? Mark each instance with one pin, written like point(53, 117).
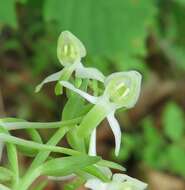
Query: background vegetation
point(146, 35)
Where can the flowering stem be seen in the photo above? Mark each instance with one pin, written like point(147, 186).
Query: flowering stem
point(93, 118)
point(28, 178)
point(39, 125)
point(27, 181)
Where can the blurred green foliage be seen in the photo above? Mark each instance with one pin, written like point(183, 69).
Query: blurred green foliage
point(161, 149)
point(109, 29)
point(113, 31)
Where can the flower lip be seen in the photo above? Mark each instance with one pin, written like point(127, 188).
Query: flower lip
point(123, 88)
point(69, 48)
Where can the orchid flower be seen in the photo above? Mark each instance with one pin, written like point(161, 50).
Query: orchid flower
point(119, 182)
point(122, 90)
point(70, 51)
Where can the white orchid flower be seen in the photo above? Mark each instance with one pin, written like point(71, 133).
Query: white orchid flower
point(119, 182)
point(122, 90)
point(70, 51)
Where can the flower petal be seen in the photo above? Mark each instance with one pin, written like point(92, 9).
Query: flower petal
point(92, 145)
point(85, 95)
point(50, 78)
point(96, 184)
point(116, 131)
point(139, 185)
point(89, 73)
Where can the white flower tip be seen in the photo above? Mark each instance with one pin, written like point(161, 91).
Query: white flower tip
point(69, 49)
point(38, 88)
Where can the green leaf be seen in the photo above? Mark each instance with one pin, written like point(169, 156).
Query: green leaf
point(181, 2)
point(109, 164)
point(153, 144)
point(176, 159)
point(8, 13)
point(67, 165)
point(116, 26)
point(5, 174)
point(151, 134)
point(173, 121)
point(129, 144)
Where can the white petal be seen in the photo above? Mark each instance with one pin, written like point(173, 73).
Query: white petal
point(50, 78)
point(85, 95)
point(62, 178)
point(89, 73)
point(96, 184)
point(139, 185)
point(116, 131)
point(92, 145)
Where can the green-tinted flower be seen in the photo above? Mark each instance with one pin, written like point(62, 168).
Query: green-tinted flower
point(122, 90)
point(119, 182)
point(70, 51)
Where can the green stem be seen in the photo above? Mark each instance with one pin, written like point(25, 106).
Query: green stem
point(39, 125)
point(13, 161)
point(35, 145)
point(40, 158)
point(92, 119)
point(24, 185)
point(12, 157)
point(67, 72)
